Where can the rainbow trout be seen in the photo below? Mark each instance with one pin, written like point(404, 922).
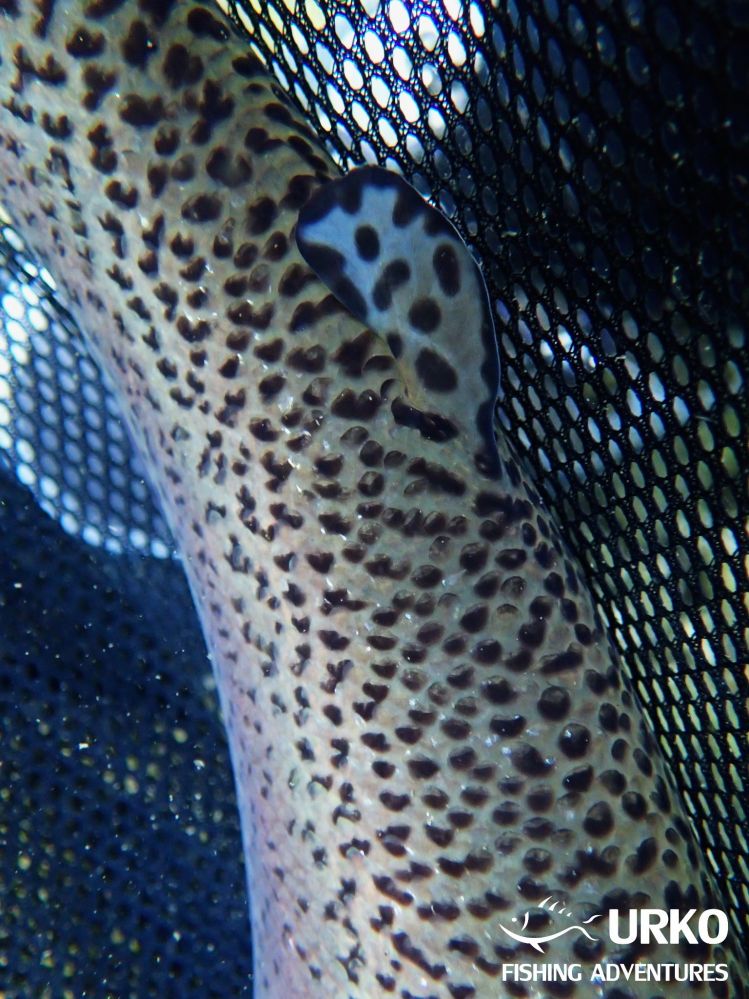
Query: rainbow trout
point(442, 781)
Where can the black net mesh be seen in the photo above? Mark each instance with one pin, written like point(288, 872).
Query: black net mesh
point(60, 429)
point(595, 156)
point(121, 868)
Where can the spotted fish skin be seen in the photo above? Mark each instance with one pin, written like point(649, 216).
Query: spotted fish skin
point(427, 727)
point(401, 268)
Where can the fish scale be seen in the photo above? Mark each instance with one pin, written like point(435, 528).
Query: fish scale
point(427, 726)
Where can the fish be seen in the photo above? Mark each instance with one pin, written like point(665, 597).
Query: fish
point(429, 731)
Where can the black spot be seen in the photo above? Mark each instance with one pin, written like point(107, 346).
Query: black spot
point(231, 171)
point(245, 314)
point(554, 584)
point(574, 740)
point(643, 762)
point(57, 128)
point(569, 659)
point(554, 703)
point(202, 23)
point(328, 263)
point(475, 618)
point(271, 386)
point(395, 274)
point(395, 342)
point(310, 359)
point(141, 113)
point(149, 263)
point(260, 215)
point(167, 368)
point(435, 372)
point(99, 83)
point(321, 562)
point(462, 759)
point(646, 855)
point(506, 814)
point(407, 206)
point(102, 8)
point(540, 799)
point(182, 246)
point(276, 247)
point(139, 44)
point(180, 67)
point(349, 194)
point(270, 352)
point(614, 781)
point(532, 633)
point(201, 208)
point(608, 717)
point(189, 332)
point(166, 141)
point(223, 244)
point(278, 112)
point(258, 140)
point(157, 179)
point(103, 158)
point(424, 315)
point(82, 44)
point(507, 727)
point(298, 191)
point(519, 660)
point(634, 804)
point(294, 280)
point(238, 342)
point(367, 242)
point(447, 269)
point(422, 768)
point(432, 426)
point(599, 820)
point(511, 558)
point(486, 652)
point(183, 169)
point(248, 66)
point(487, 585)
point(246, 255)
point(578, 779)
point(125, 197)
point(229, 368)
point(427, 576)
point(529, 761)
point(350, 406)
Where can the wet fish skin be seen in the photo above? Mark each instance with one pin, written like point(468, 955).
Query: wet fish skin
point(427, 726)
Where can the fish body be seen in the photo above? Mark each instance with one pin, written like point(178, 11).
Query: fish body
point(427, 725)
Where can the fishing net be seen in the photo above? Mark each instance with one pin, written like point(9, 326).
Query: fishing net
point(594, 155)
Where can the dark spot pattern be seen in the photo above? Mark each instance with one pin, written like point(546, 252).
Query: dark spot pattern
point(367, 242)
point(427, 723)
point(424, 315)
point(447, 269)
point(394, 275)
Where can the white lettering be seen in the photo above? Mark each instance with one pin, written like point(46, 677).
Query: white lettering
point(679, 927)
point(652, 922)
point(614, 933)
point(703, 926)
point(646, 925)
